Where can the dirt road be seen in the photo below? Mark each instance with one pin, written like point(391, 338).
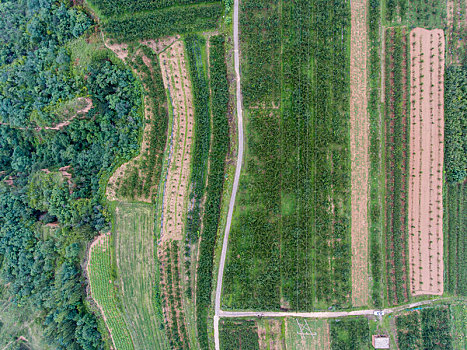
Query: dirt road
point(236, 178)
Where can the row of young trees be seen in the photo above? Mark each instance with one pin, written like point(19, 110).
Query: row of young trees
point(169, 21)
point(376, 215)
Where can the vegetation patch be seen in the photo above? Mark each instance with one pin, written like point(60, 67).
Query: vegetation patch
point(169, 21)
point(305, 333)
point(350, 333)
point(425, 329)
point(238, 334)
point(397, 130)
point(104, 290)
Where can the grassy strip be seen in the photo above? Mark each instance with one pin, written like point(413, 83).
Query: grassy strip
point(176, 20)
point(217, 156)
point(396, 121)
point(376, 183)
point(456, 240)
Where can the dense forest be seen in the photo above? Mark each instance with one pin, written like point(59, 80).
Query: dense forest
point(51, 186)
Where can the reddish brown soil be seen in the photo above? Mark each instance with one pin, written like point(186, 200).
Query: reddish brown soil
point(359, 143)
point(426, 161)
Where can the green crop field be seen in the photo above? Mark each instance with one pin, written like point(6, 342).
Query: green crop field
point(425, 329)
point(136, 271)
point(396, 127)
point(104, 291)
point(291, 224)
point(238, 334)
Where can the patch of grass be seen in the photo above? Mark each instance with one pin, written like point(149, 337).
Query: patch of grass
point(459, 325)
point(104, 290)
point(136, 271)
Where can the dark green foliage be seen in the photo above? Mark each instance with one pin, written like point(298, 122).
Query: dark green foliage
point(350, 334)
point(253, 269)
point(260, 44)
point(34, 68)
point(195, 45)
point(396, 124)
point(376, 215)
point(455, 153)
point(427, 13)
point(456, 239)
point(428, 329)
point(173, 20)
point(408, 331)
point(396, 10)
point(108, 8)
point(217, 157)
point(238, 334)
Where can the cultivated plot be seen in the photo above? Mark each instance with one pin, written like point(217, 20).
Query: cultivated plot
point(271, 334)
point(425, 215)
point(359, 143)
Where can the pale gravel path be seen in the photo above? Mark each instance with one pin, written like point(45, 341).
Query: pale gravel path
point(236, 178)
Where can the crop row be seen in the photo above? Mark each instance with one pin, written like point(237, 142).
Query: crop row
point(172, 296)
point(109, 8)
point(375, 209)
point(396, 120)
point(169, 21)
point(217, 157)
point(425, 329)
point(396, 10)
point(105, 292)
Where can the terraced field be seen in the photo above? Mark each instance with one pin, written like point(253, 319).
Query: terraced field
point(105, 292)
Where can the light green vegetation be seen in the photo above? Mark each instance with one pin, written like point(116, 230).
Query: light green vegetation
point(136, 271)
point(302, 333)
point(459, 325)
point(105, 292)
point(271, 333)
point(238, 334)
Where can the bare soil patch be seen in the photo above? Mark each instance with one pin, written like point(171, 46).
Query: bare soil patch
point(426, 162)
point(359, 143)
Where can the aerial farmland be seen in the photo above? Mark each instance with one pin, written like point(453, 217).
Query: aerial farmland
point(233, 174)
